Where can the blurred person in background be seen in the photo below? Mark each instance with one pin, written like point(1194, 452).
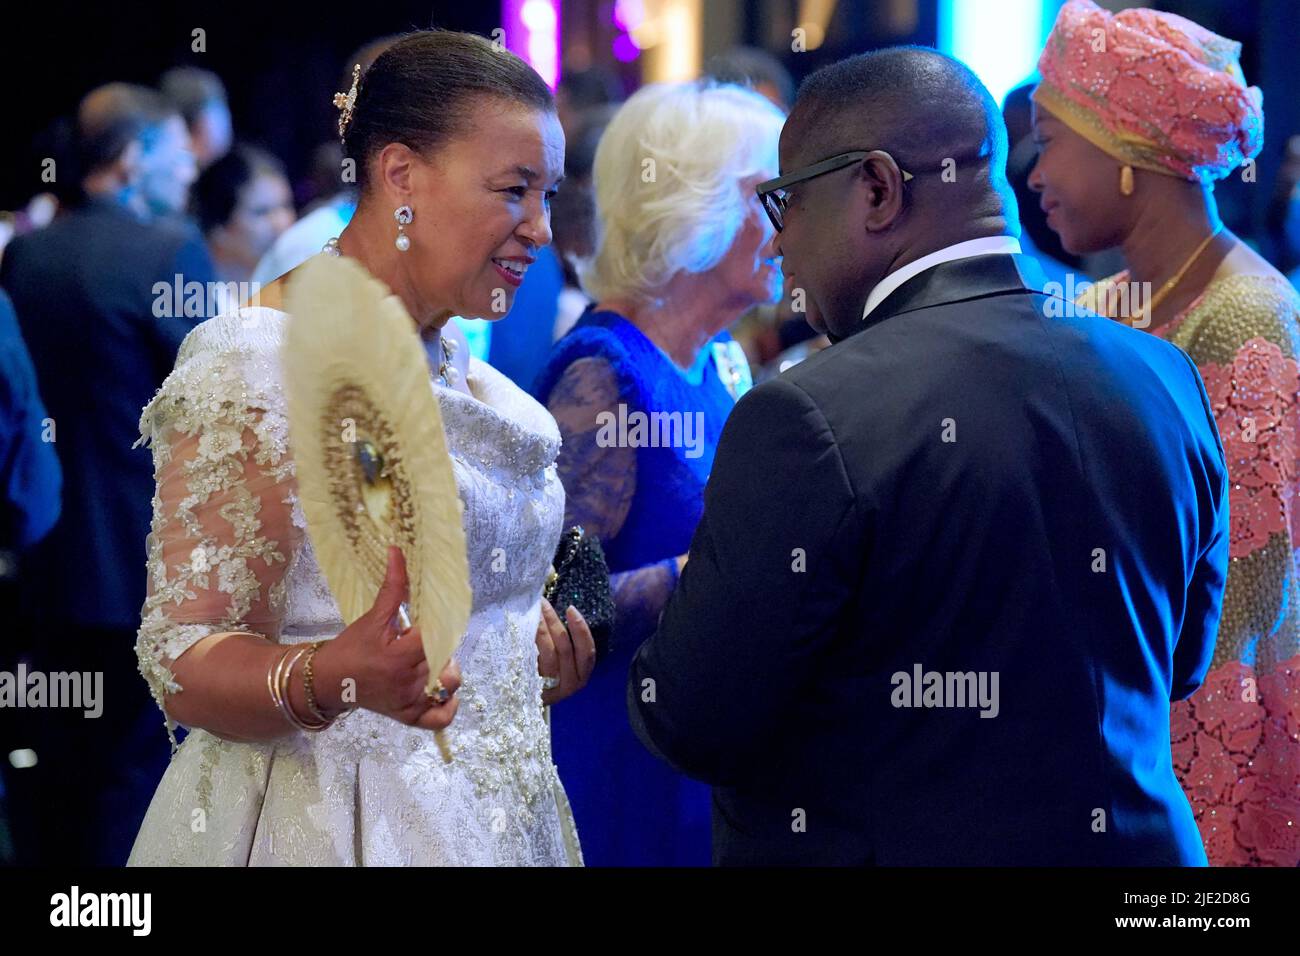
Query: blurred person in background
point(1134, 132)
point(573, 214)
point(166, 170)
point(683, 248)
point(30, 485)
point(101, 340)
point(29, 468)
point(757, 69)
point(320, 184)
point(327, 219)
point(580, 91)
point(52, 151)
point(1282, 218)
point(37, 214)
point(244, 204)
point(200, 97)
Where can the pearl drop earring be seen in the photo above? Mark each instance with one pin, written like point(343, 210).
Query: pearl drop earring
point(403, 215)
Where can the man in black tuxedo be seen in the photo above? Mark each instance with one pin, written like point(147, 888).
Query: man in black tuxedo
point(102, 336)
point(953, 569)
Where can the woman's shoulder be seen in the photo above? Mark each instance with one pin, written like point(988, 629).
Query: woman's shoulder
point(600, 334)
point(1259, 293)
point(232, 358)
point(606, 342)
point(593, 341)
point(246, 329)
point(502, 395)
point(500, 414)
point(1238, 307)
point(1090, 296)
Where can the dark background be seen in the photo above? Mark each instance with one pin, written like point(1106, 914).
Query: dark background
point(281, 61)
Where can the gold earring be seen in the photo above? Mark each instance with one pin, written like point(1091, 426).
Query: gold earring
point(1126, 180)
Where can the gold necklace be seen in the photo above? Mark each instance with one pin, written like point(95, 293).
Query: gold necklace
point(1168, 287)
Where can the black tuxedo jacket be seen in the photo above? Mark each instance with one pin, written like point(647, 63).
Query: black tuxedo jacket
point(950, 574)
point(102, 342)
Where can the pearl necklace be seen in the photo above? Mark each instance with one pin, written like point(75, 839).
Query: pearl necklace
point(447, 373)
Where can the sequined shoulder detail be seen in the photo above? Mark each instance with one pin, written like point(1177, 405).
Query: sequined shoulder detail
point(1234, 310)
point(204, 367)
point(502, 426)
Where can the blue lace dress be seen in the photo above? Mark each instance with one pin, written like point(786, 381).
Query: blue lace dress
point(639, 435)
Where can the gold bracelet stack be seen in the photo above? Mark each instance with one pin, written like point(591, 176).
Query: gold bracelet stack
point(309, 684)
point(277, 681)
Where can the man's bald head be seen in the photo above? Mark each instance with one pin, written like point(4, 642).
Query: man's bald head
point(844, 230)
point(111, 117)
point(917, 104)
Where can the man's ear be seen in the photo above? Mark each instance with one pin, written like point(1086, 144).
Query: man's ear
point(129, 164)
point(883, 183)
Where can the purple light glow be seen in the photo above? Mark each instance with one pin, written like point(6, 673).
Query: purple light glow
point(625, 51)
point(532, 31)
point(628, 14)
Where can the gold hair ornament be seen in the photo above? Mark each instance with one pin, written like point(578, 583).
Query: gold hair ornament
point(346, 101)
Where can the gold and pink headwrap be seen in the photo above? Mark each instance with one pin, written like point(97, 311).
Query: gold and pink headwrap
point(1152, 89)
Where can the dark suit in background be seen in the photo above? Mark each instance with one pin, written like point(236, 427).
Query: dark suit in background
point(30, 484)
point(84, 292)
point(30, 479)
point(1071, 441)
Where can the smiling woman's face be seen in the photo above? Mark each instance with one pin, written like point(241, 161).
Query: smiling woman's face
point(482, 208)
point(1079, 187)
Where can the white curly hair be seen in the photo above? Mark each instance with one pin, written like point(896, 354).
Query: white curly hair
point(668, 182)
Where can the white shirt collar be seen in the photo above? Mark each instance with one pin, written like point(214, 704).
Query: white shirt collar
point(990, 245)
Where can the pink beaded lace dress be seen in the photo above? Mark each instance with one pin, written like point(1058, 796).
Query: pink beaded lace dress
point(1236, 741)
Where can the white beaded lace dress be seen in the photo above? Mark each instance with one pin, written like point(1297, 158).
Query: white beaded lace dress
point(229, 552)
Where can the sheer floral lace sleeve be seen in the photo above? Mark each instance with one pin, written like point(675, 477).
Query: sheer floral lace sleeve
point(599, 484)
point(224, 523)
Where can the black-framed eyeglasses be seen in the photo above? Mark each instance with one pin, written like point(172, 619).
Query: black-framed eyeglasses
point(772, 193)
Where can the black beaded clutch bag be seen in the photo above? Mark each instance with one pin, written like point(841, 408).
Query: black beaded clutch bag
point(580, 577)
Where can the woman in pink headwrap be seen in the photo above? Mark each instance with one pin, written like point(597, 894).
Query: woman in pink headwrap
point(1137, 115)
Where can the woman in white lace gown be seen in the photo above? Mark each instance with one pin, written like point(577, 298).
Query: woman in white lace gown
point(467, 138)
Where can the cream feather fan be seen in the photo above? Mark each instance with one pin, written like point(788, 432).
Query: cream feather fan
point(370, 452)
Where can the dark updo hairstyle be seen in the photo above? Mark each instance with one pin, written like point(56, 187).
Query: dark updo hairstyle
point(217, 192)
point(421, 90)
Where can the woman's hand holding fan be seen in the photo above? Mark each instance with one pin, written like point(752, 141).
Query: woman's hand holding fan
point(374, 474)
point(385, 664)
